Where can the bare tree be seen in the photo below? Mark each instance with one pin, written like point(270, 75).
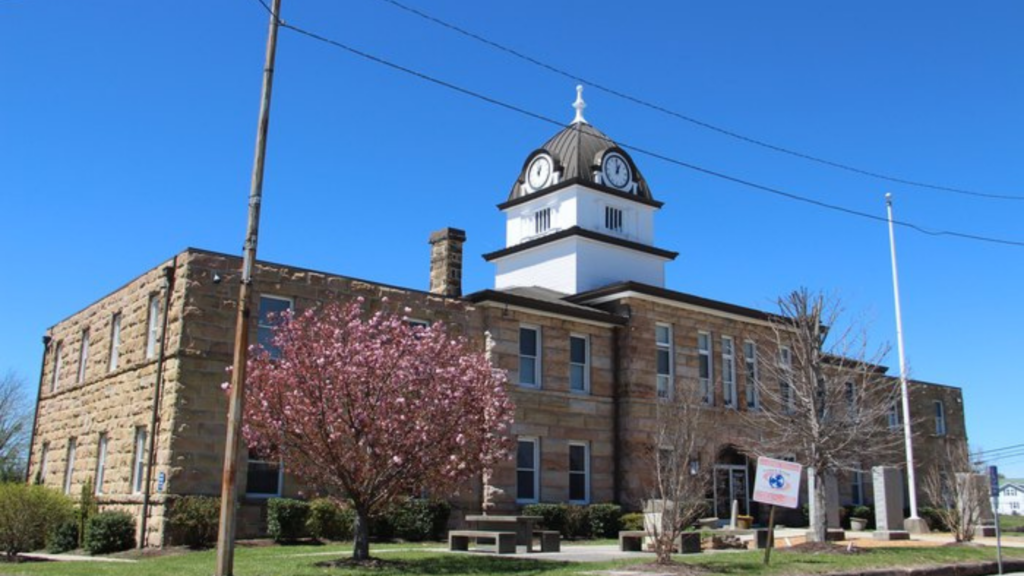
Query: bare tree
point(824, 397)
point(678, 488)
point(14, 427)
point(957, 492)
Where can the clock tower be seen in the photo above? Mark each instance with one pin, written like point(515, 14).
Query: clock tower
point(579, 216)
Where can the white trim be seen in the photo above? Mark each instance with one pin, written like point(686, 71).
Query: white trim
point(586, 362)
point(83, 356)
point(138, 459)
point(115, 342)
point(535, 470)
point(586, 472)
point(786, 364)
point(152, 324)
point(677, 304)
point(671, 376)
point(537, 356)
point(729, 387)
point(706, 383)
point(101, 462)
point(69, 464)
point(527, 310)
point(259, 315)
point(280, 479)
point(57, 361)
point(941, 429)
point(751, 392)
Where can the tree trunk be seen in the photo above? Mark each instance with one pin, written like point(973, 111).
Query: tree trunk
point(819, 517)
point(361, 548)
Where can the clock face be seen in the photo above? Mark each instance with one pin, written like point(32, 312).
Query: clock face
point(539, 172)
point(616, 171)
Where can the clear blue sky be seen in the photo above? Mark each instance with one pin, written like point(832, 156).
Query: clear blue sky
point(127, 129)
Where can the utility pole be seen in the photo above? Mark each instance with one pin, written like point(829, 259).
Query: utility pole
point(914, 523)
point(228, 498)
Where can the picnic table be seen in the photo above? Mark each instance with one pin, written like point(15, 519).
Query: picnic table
point(523, 526)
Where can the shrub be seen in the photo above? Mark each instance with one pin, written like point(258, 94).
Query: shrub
point(63, 537)
point(577, 523)
point(328, 520)
point(605, 520)
point(934, 519)
point(87, 508)
point(553, 515)
point(419, 519)
point(634, 521)
point(109, 532)
point(286, 519)
point(194, 520)
point(27, 516)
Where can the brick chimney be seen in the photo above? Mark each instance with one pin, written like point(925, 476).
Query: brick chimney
point(446, 262)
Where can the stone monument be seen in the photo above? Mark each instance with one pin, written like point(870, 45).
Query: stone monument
point(888, 486)
point(835, 531)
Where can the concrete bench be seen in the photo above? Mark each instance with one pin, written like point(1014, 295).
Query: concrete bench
point(459, 540)
point(550, 540)
point(631, 540)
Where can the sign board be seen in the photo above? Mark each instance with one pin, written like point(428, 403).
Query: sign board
point(993, 481)
point(777, 482)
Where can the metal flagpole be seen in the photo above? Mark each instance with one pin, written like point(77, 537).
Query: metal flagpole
point(228, 498)
point(912, 486)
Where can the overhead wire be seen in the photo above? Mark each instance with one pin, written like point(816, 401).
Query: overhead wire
point(638, 149)
point(695, 121)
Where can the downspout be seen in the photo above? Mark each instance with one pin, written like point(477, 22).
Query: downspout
point(168, 287)
point(35, 419)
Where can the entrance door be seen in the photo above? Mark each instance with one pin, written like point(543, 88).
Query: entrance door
point(730, 484)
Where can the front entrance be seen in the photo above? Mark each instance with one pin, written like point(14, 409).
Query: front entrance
point(730, 484)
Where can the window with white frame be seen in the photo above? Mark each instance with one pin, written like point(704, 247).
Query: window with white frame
point(115, 342)
point(263, 477)
point(940, 418)
point(613, 218)
point(1011, 491)
point(69, 463)
point(529, 356)
point(663, 352)
point(57, 360)
point(272, 310)
point(786, 396)
point(753, 381)
point(527, 477)
point(139, 460)
point(44, 457)
point(83, 355)
point(704, 368)
point(1014, 505)
point(101, 463)
point(152, 326)
point(579, 472)
point(542, 221)
point(728, 372)
point(857, 487)
point(579, 363)
point(895, 415)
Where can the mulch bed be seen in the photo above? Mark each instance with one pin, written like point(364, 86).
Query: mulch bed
point(673, 568)
point(822, 548)
point(369, 564)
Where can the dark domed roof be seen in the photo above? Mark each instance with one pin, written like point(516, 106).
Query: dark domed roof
point(577, 152)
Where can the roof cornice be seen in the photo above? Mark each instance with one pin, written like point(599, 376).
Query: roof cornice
point(582, 233)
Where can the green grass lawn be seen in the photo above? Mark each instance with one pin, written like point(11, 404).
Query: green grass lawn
point(1011, 522)
point(296, 561)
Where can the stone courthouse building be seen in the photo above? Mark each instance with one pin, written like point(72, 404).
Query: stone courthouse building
point(130, 393)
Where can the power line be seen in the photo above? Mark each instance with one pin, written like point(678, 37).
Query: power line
point(680, 116)
point(681, 163)
point(1012, 447)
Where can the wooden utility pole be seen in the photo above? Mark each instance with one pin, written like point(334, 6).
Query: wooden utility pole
point(228, 498)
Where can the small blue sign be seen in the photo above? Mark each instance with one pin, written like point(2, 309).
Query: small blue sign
point(161, 479)
point(777, 481)
point(993, 481)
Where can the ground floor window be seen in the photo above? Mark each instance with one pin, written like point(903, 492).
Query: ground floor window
point(579, 473)
point(527, 478)
point(263, 477)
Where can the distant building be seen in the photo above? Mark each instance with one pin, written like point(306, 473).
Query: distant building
point(1011, 498)
point(580, 317)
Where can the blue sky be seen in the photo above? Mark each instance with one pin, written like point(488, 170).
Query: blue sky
point(127, 129)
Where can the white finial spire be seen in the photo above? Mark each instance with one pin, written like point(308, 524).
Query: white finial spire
point(579, 105)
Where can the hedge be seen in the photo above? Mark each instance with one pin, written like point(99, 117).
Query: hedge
point(194, 520)
point(28, 514)
point(286, 519)
point(108, 532)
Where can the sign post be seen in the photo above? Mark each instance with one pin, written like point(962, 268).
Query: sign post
point(777, 482)
point(993, 487)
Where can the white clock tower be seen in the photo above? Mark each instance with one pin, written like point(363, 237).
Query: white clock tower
point(580, 216)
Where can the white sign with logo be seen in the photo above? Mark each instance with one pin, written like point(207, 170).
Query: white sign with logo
point(777, 482)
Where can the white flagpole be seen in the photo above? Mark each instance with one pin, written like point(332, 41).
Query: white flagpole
point(912, 485)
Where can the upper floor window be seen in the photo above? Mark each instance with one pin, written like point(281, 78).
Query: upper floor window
point(115, 341)
point(663, 352)
point(613, 218)
point(579, 363)
point(707, 390)
point(529, 356)
point(542, 221)
point(152, 326)
point(271, 310)
point(851, 399)
point(940, 418)
point(57, 360)
point(786, 396)
point(895, 416)
point(728, 372)
point(1011, 491)
point(750, 361)
point(83, 355)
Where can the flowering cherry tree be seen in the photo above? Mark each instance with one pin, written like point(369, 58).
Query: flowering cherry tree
point(372, 409)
